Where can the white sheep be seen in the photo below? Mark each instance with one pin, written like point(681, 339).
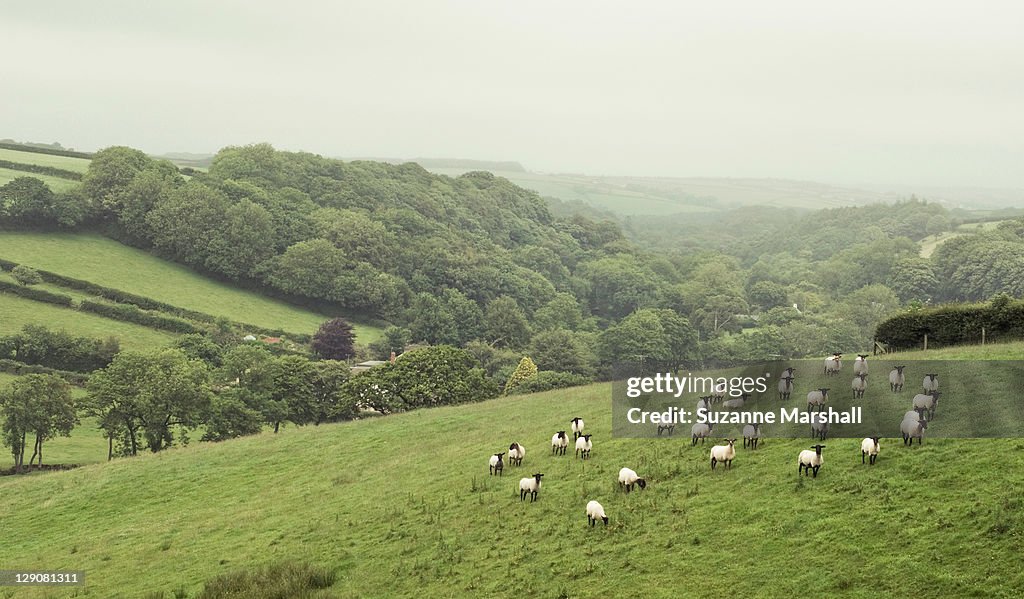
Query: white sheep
point(736, 403)
point(704, 402)
point(913, 429)
point(927, 403)
point(723, 453)
point(786, 386)
point(496, 465)
point(869, 448)
point(577, 427)
point(810, 460)
point(719, 391)
point(860, 364)
point(817, 398)
point(583, 446)
point(529, 486)
point(819, 429)
point(859, 384)
point(559, 442)
point(833, 364)
point(930, 383)
point(595, 512)
point(751, 434)
point(628, 478)
point(516, 453)
point(701, 430)
point(896, 378)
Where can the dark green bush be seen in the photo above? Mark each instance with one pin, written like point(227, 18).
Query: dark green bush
point(130, 313)
point(39, 295)
point(954, 324)
point(547, 380)
point(283, 580)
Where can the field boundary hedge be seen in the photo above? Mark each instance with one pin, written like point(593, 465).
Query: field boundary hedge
point(20, 368)
point(954, 324)
point(41, 170)
point(42, 150)
point(39, 295)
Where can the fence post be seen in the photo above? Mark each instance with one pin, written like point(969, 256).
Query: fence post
point(926, 341)
point(983, 335)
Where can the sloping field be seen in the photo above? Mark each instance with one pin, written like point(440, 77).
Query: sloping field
point(78, 165)
point(54, 183)
point(106, 262)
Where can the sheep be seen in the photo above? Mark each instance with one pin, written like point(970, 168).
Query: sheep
point(927, 403)
point(785, 386)
point(595, 512)
point(860, 384)
point(496, 465)
point(860, 364)
point(669, 428)
point(558, 443)
point(701, 430)
point(704, 402)
point(723, 453)
point(869, 448)
point(583, 446)
point(819, 430)
point(628, 478)
point(529, 486)
point(818, 397)
point(833, 364)
point(912, 429)
point(810, 460)
point(930, 383)
point(751, 434)
point(516, 453)
point(577, 427)
point(736, 403)
point(896, 379)
point(718, 393)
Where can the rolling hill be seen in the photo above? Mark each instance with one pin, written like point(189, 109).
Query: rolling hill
point(403, 505)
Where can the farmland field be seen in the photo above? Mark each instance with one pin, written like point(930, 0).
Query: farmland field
point(55, 183)
point(68, 163)
point(932, 242)
point(15, 312)
point(449, 529)
point(106, 262)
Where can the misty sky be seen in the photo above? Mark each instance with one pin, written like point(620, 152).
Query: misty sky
point(912, 92)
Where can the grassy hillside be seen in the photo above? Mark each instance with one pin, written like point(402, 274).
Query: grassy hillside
point(932, 242)
point(16, 312)
point(55, 183)
point(106, 262)
point(78, 165)
point(403, 506)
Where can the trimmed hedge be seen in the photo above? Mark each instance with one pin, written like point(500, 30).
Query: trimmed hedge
point(954, 324)
point(130, 313)
point(41, 170)
point(44, 150)
point(39, 295)
point(19, 368)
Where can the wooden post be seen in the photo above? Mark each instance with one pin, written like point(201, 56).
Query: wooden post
point(926, 341)
point(983, 335)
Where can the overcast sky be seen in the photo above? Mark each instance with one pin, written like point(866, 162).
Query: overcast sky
point(914, 92)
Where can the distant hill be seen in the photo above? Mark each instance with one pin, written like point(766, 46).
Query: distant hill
point(461, 164)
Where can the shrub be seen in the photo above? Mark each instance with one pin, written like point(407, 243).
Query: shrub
point(25, 275)
point(954, 324)
point(39, 295)
point(130, 313)
point(524, 372)
point(546, 380)
point(285, 580)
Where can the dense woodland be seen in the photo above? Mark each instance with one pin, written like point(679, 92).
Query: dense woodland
point(493, 272)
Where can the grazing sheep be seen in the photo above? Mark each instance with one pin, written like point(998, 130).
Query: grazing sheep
point(860, 384)
point(786, 386)
point(818, 397)
point(577, 427)
point(736, 403)
point(496, 465)
point(896, 378)
point(628, 478)
point(751, 434)
point(704, 402)
point(558, 443)
point(701, 430)
point(913, 415)
point(718, 394)
point(583, 446)
point(819, 430)
point(529, 486)
point(669, 428)
point(810, 460)
point(595, 512)
point(869, 449)
point(860, 364)
point(927, 403)
point(833, 364)
point(912, 429)
point(930, 383)
point(516, 453)
point(723, 453)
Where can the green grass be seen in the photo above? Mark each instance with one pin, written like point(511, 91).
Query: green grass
point(55, 183)
point(932, 242)
point(1010, 350)
point(106, 262)
point(78, 165)
point(15, 312)
point(403, 506)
